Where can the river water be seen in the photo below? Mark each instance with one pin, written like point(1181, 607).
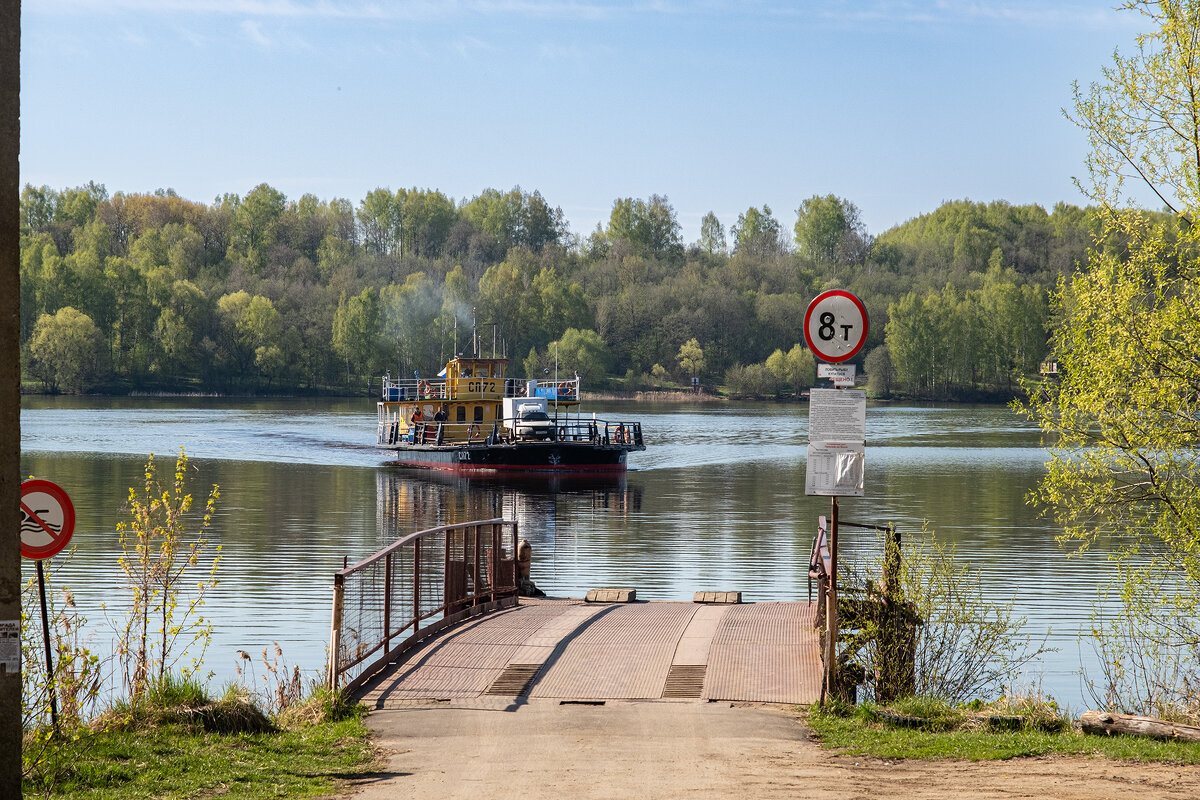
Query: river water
point(716, 502)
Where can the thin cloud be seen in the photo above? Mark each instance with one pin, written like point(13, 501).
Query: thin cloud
point(1026, 13)
point(1022, 13)
point(469, 46)
point(133, 38)
point(253, 31)
point(326, 9)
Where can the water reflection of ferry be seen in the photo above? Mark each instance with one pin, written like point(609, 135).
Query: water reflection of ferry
point(472, 418)
point(411, 500)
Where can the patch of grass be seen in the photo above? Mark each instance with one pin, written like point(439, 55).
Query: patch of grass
point(864, 731)
point(321, 706)
point(169, 761)
point(923, 713)
point(185, 703)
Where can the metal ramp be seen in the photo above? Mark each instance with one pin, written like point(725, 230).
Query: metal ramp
point(573, 650)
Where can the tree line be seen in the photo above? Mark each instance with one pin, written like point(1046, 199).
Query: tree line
point(262, 293)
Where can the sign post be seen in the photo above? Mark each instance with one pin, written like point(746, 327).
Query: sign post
point(835, 329)
point(47, 522)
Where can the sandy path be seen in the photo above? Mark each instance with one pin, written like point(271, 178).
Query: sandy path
point(691, 750)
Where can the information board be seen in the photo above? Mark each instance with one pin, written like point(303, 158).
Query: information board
point(837, 425)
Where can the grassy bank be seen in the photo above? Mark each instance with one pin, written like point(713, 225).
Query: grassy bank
point(176, 761)
point(221, 749)
point(946, 733)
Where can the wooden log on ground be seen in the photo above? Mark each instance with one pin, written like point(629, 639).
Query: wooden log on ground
point(1103, 723)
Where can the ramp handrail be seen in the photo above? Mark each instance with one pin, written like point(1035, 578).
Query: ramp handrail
point(443, 574)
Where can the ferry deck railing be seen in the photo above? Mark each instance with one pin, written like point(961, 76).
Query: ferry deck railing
point(592, 431)
point(420, 584)
point(409, 389)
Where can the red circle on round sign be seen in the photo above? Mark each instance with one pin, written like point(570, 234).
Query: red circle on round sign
point(47, 519)
point(844, 316)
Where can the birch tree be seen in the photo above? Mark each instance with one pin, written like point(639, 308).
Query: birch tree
point(1124, 418)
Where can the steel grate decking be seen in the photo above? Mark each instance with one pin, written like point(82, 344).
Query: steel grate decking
point(571, 650)
point(765, 652)
point(685, 681)
point(514, 680)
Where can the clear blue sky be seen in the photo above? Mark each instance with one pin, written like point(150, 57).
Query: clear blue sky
point(719, 105)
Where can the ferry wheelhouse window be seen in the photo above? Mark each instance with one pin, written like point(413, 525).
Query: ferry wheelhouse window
point(461, 414)
point(479, 413)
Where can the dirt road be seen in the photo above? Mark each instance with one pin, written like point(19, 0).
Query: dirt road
point(540, 750)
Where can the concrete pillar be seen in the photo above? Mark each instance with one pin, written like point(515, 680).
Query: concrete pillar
point(10, 382)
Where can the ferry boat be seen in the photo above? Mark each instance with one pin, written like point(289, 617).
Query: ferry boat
point(474, 418)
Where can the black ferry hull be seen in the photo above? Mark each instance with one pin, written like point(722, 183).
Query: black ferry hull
point(549, 457)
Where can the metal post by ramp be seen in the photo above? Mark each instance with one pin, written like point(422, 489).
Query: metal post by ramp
point(335, 633)
point(829, 686)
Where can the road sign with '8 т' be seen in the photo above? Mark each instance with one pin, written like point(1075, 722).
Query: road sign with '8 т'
point(835, 326)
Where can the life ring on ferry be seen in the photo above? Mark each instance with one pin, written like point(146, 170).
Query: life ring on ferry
point(422, 388)
point(564, 389)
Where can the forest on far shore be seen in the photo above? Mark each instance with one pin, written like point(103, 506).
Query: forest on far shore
point(259, 293)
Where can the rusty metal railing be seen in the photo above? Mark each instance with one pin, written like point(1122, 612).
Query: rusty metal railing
point(415, 587)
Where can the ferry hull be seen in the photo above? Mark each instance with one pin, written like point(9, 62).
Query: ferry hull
point(547, 457)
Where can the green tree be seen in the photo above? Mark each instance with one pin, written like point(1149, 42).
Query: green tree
point(357, 332)
point(914, 344)
point(691, 358)
point(563, 305)
point(130, 315)
point(159, 554)
point(255, 225)
point(757, 233)
point(79, 205)
point(648, 226)
point(428, 215)
point(38, 207)
point(756, 380)
point(251, 335)
point(541, 224)
point(64, 350)
point(829, 230)
point(1123, 413)
point(516, 219)
point(380, 216)
point(527, 301)
point(880, 372)
point(182, 323)
point(584, 353)
point(796, 368)
point(413, 339)
point(712, 235)
point(801, 368)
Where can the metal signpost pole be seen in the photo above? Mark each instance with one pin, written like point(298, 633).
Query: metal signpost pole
point(835, 329)
point(832, 603)
point(50, 690)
